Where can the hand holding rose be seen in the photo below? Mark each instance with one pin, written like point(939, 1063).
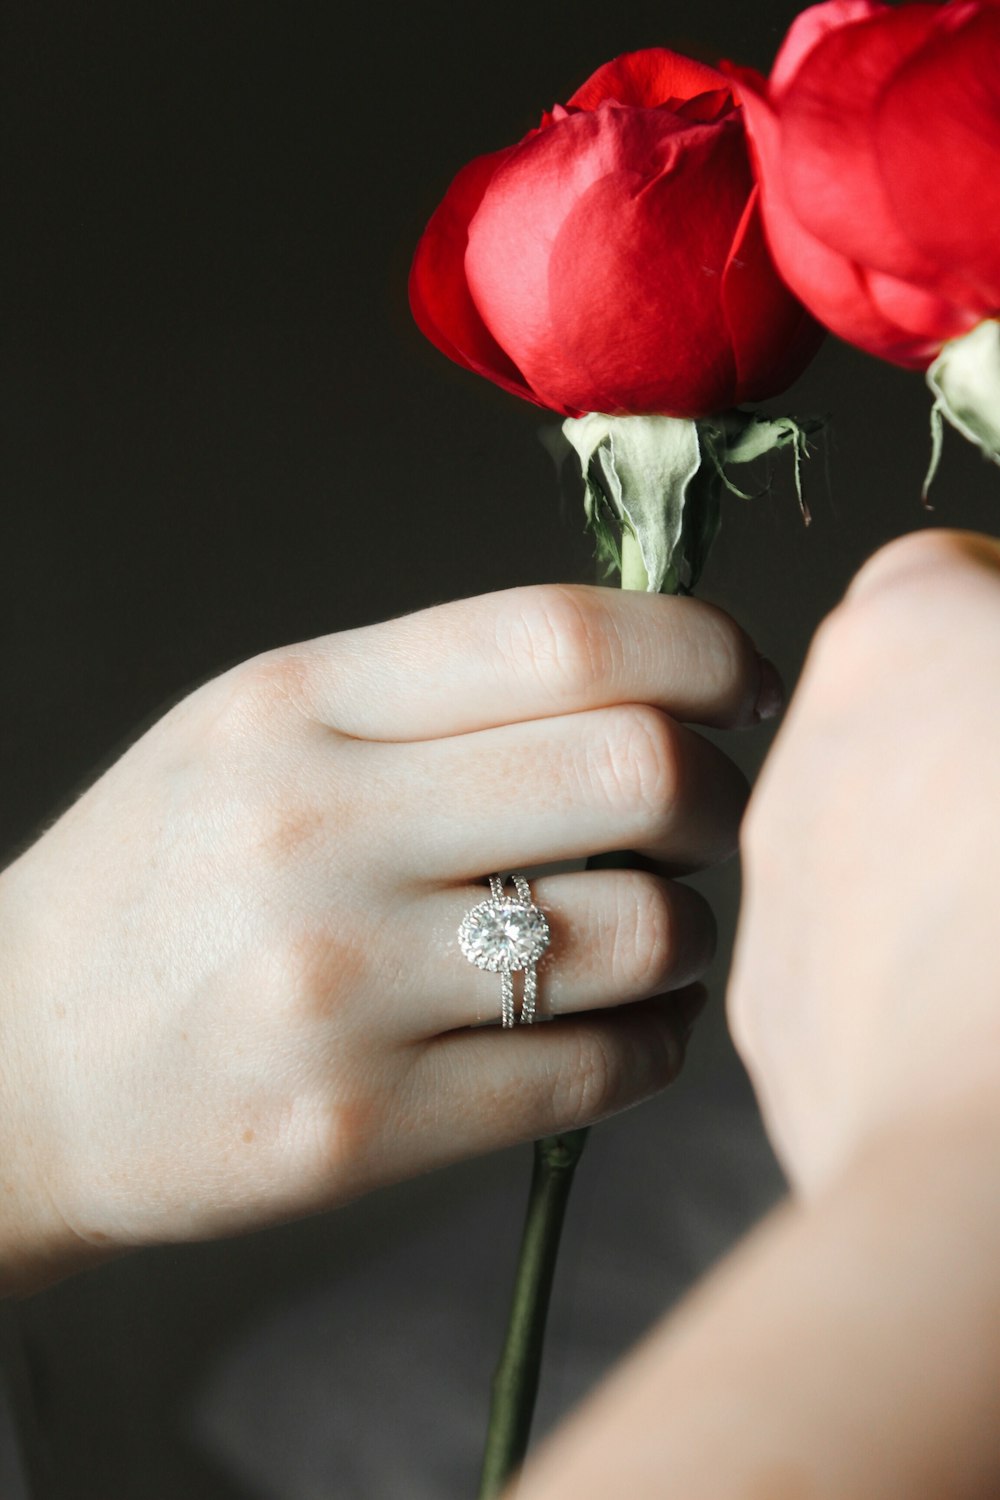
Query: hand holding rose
point(232, 989)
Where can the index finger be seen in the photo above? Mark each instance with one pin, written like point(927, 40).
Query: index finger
point(535, 652)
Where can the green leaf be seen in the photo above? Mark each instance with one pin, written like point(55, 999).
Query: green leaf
point(742, 437)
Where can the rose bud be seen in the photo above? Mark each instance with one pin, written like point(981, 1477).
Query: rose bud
point(613, 260)
point(877, 141)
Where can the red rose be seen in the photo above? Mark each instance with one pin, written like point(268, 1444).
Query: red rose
point(613, 261)
point(878, 147)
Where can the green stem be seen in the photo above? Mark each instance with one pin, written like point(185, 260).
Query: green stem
point(633, 567)
point(515, 1384)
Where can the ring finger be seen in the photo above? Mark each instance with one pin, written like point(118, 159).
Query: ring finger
point(615, 936)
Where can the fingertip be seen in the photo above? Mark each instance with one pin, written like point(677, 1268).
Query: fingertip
point(742, 686)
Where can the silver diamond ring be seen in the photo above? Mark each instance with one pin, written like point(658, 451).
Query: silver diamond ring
point(504, 935)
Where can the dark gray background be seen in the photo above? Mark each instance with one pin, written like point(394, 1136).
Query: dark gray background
point(221, 432)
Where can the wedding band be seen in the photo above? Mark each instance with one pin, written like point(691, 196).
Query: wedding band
point(506, 936)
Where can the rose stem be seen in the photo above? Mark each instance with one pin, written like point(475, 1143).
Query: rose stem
point(633, 567)
point(515, 1383)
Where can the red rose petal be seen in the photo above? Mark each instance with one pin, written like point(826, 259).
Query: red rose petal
point(773, 337)
point(704, 109)
point(598, 277)
point(608, 261)
point(834, 175)
point(937, 138)
point(810, 27)
point(830, 285)
point(930, 320)
point(439, 295)
point(646, 79)
point(636, 309)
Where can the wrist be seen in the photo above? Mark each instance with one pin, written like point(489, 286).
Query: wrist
point(38, 1246)
point(951, 1134)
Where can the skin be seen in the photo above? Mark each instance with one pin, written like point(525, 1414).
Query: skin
point(864, 988)
point(850, 1349)
point(232, 992)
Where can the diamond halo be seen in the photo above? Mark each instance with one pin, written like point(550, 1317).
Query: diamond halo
point(505, 935)
point(499, 935)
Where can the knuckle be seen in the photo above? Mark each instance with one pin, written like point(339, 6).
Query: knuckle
point(285, 831)
point(917, 559)
point(740, 1028)
point(612, 1067)
point(763, 811)
point(561, 635)
point(280, 826)
point(264, 687)
point(842, 658)
point(747, 1020)
point(889, 622)
point(784, 813)
point(589, 1084)
point(645, 938)
point(832, 634)
point(316, 971)
point(303, 979)
point(636, 764)
point(330, 1134)
point(754, 829)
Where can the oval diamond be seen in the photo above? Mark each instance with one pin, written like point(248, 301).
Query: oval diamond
point(503, 935)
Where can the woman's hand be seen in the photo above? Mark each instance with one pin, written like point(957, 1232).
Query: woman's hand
point(850, 1346)
point(233, 991)
point(866, 986)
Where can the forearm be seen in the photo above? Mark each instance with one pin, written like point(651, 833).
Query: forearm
point(850, 1349)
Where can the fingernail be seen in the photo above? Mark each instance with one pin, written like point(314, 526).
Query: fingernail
point(770, 693)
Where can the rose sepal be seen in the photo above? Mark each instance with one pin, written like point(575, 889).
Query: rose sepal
point(661, 479)
point(965, 383)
